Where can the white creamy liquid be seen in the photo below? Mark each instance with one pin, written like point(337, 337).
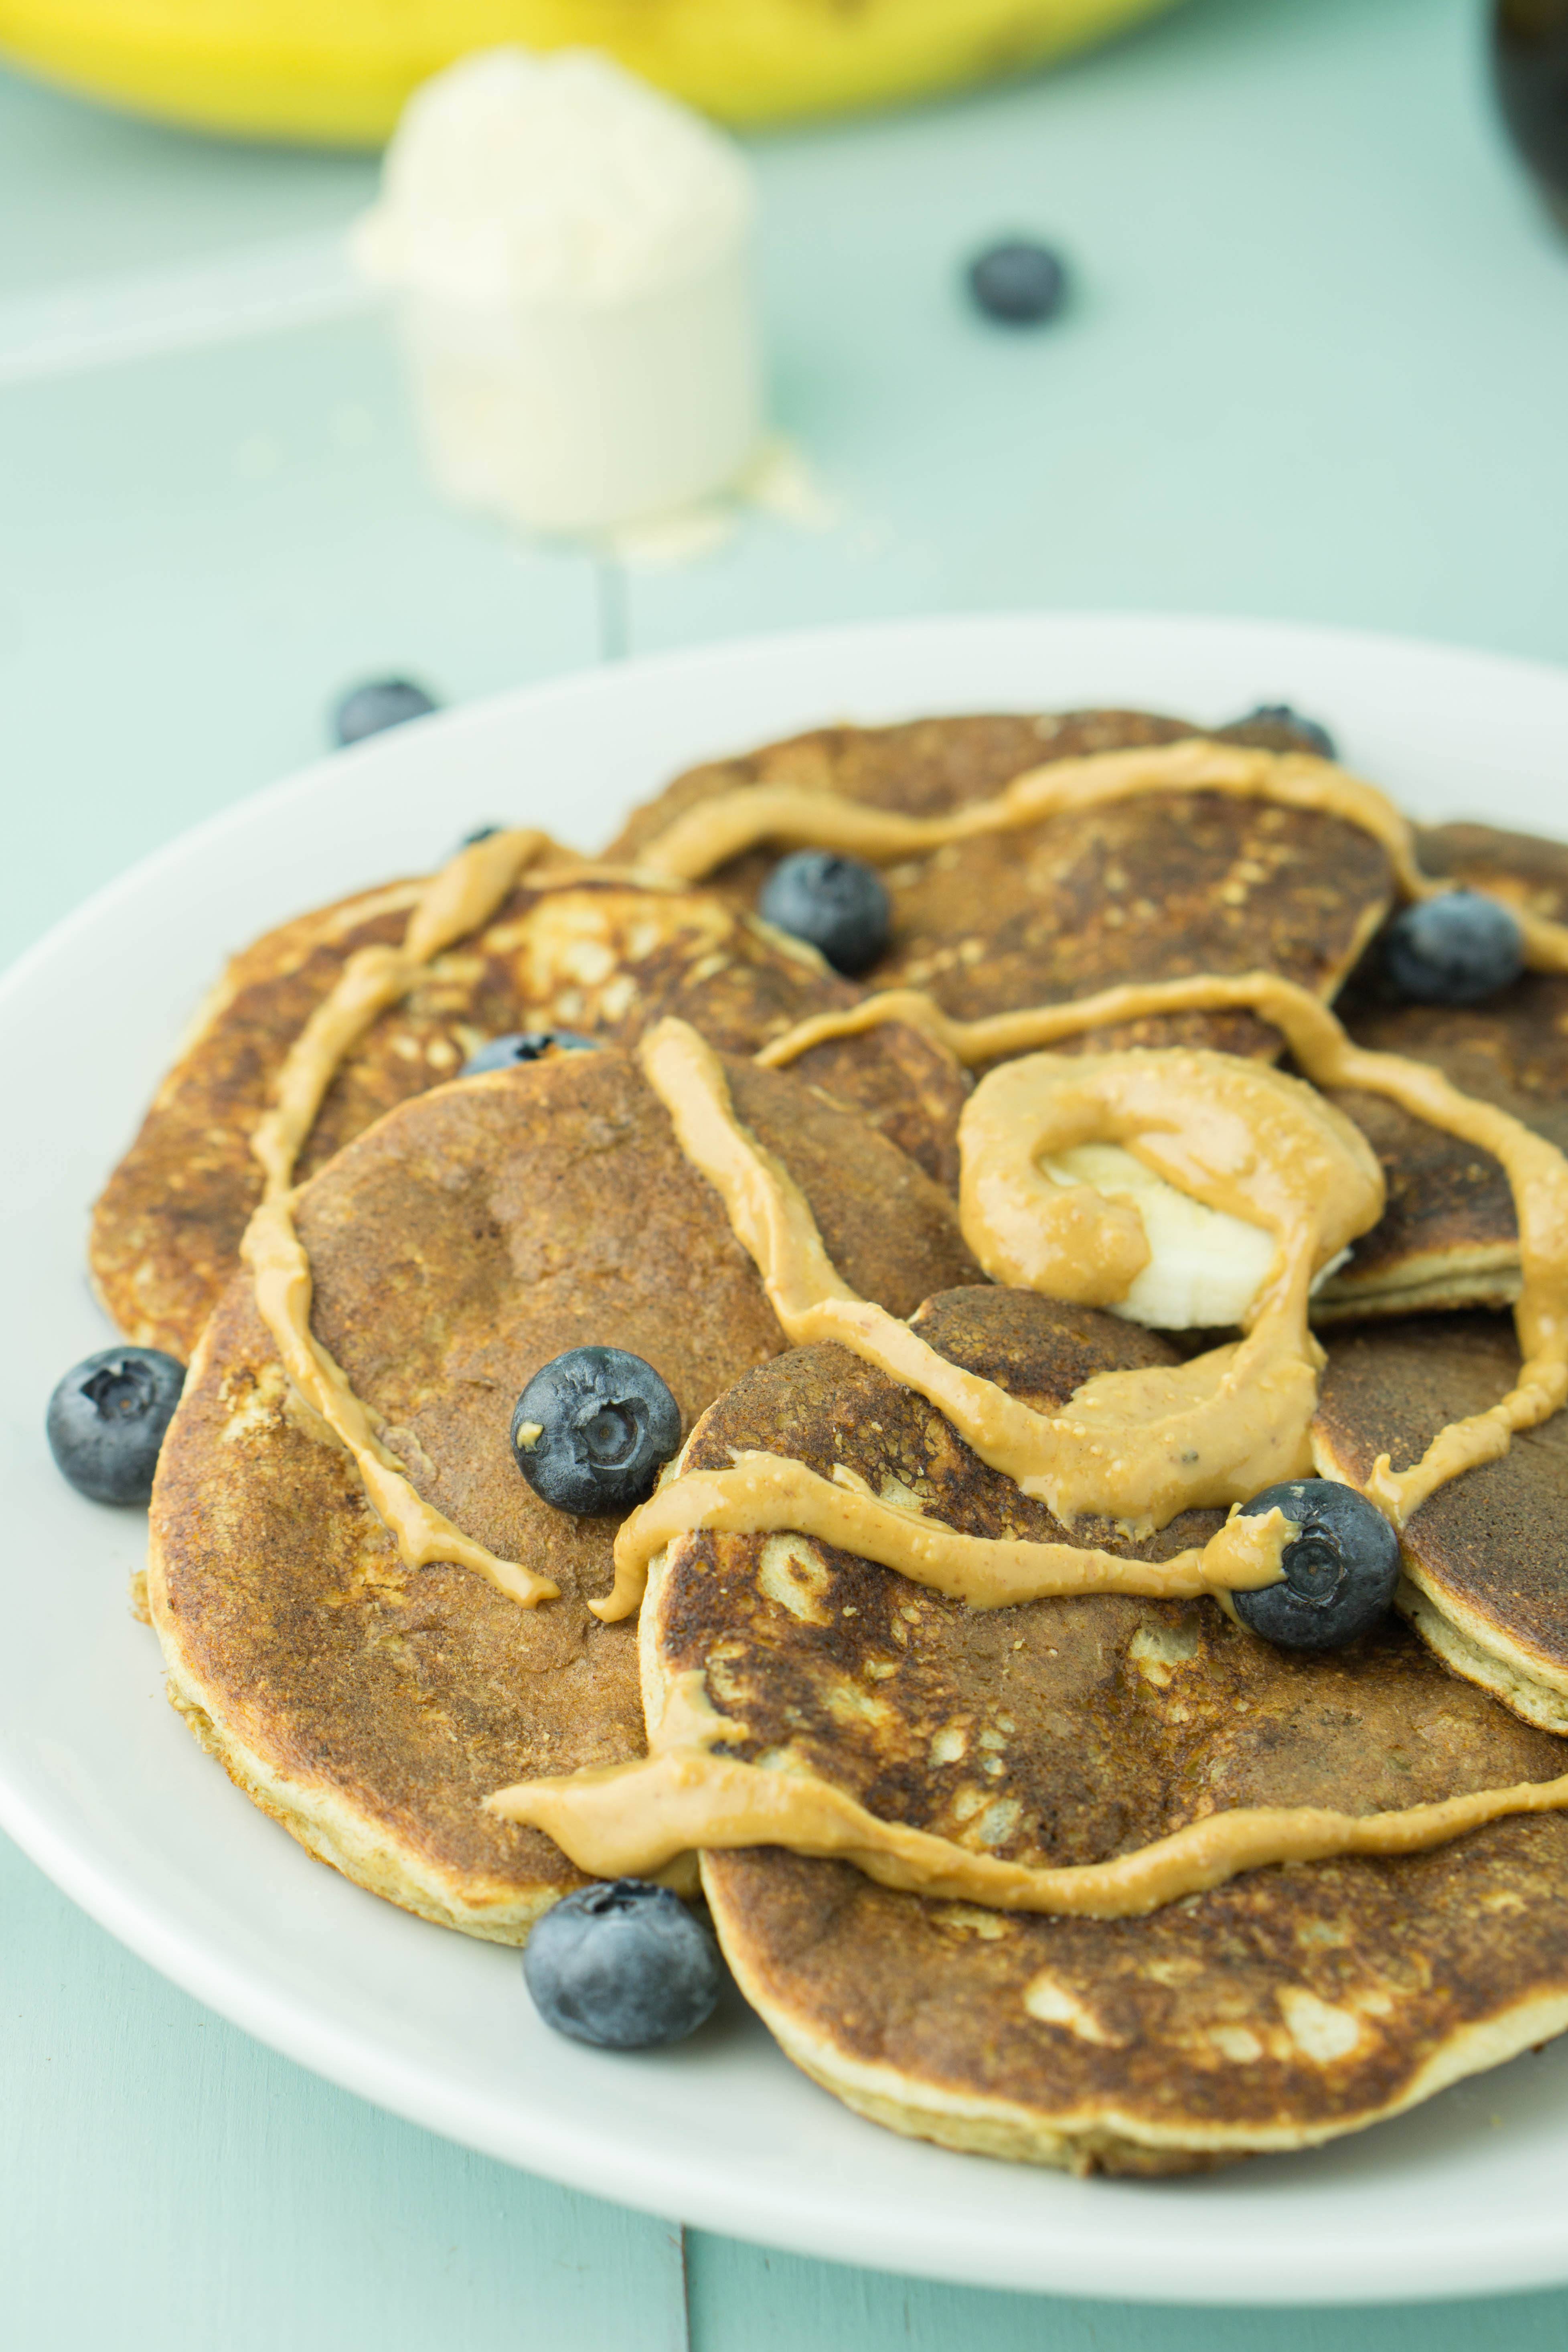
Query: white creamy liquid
point(573, 253)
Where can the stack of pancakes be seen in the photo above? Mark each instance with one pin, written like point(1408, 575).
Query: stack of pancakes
point(461, 1232)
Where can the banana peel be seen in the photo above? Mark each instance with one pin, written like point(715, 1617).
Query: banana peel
point(337, 72)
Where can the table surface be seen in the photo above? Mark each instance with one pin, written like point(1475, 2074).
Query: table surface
point(1313, 367)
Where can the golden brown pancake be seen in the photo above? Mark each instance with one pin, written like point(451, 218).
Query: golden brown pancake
point(600, 955)
point(461, 1242)
point(1486, 1559)
point(1448, 1238)
point(923, 767)
point(1279, 2010)
point(1148, 890)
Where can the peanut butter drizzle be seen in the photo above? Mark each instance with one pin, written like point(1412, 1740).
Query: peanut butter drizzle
point(629, 1820)
point(716, 830)
point(1139, 1447)
point(460, 899)
point(1536, 1170)
point(762, 1492)
point(637, 1818)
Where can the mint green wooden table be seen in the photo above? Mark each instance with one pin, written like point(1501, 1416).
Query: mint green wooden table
point(1317, 367)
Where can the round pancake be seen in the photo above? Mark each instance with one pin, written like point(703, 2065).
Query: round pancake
point(597, 954)
point(1485, 1558)
point(1448, 1237)
point(1145, 889)
point(465, 1240)
point(1280, 2010)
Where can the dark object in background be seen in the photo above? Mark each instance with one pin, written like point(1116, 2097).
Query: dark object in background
point(1458, 949)
point(1276, 727)
point(380, 703)
point(1530, 68)
point(107, 1418)
point(623, 1965)
point(1018, 282)
point(593, 1430)
point(837, 904)
point(1340, 1571)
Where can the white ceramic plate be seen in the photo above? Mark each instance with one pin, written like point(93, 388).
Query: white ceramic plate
point(104, 1787)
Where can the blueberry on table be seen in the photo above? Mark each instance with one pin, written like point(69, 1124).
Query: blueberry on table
point(380, 703)
point(106, 1421)
point(835, 903)
point(520, 1045)
point(1018, 282)
point(1453, 949)
point(593, 1430)
point(624, 1965)
point(1278, 727)
point(1339, 1571)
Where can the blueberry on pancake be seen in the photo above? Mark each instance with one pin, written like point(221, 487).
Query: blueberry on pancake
point(1485, 1558)
point(470, 1237)
point(1276, 2011)
point(1448, 1239)
point(1147, 889)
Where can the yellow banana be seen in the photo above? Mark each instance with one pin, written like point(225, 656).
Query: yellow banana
point(336, 72)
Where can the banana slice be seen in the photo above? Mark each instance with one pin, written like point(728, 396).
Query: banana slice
point(1206, 1268)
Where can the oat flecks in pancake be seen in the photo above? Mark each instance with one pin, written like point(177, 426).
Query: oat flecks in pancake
point(599, 956)
point(1449, 1238)
point(1487, 1558)
point(470, 1237)
point(1149, 891)
point(1280, 2010)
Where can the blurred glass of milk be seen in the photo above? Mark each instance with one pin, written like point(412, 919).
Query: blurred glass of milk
point(571, 252)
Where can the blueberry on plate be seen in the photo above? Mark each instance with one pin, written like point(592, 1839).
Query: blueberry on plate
point(1453, 949)
point(1018, 282)
point(106, 1421)
point(1276, 727)
point(521, 1046)
point(835, 903)
point(380, 703)
point(593, 1430)
point(624, 1965)
point(1339, 1571)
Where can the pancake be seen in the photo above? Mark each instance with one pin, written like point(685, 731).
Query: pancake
point(1276, 2012)
point(459, 1243)
point(1146, 889)
point(1485, 1558)
point(597, 954)
point(921, 766)
point(1448, 1238)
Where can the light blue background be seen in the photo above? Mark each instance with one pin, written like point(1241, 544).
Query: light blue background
point(1316, 366)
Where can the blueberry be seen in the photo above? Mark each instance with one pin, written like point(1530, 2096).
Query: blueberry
point(480, 833)
point(1339, 1571)
point(1275, 727)
point(106, 1421)
point(1453, 949)
point(521, 1046)
point(836, 903)
point(381, 702)
point(594, 1429)
point(623, 1965)
point(1019, 282)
